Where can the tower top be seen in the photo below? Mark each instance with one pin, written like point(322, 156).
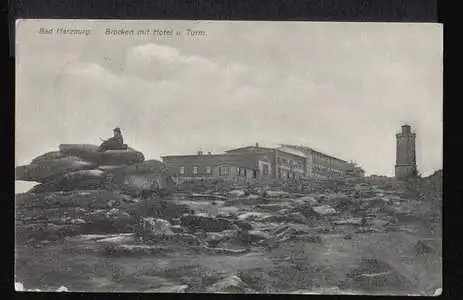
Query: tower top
point(406, 129)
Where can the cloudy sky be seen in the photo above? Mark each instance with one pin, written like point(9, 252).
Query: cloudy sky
point(342, 88)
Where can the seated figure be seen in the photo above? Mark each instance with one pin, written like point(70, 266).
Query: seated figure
point(114, 143)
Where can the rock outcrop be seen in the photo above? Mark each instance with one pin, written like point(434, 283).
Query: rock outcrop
point(347, 232)
point(82, 190)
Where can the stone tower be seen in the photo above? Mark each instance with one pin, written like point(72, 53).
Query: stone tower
point(405, 165)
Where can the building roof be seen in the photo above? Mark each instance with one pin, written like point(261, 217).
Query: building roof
point(267, 149)
point(305, 149)
point(253, 147)
point(228, 154)
point(291, 151)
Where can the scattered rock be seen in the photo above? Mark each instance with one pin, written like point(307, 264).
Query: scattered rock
point(273, 207)
point(243, 225)
point(277, 194)
point(252, 237)
point(230, 284)
point(155, 227)
point(324, 210)
point(306, 200)
point(371, 274)
point(437, 292)
point(207, 196)
point(225, 251)
point(253, 197)
point(162, 209)
point(288, 218)
point(237, 193)
point(177, 229)
point(252, 216)
point(78, 221)
point(213, 238)
point(205, 223)
point(113, 220)
point(350, 221)
point(326, 291)
point(43, 231)
point(118, 239)
point(84, 199)
point(427, 246)
point(169, 289)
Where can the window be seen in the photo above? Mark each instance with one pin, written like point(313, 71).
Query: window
point(265, 170)
point(182, 170)
point(208, 170)
point(223, 171)
point(195, 170)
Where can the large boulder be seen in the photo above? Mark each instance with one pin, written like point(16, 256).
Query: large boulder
point(48, 156)
point(46, 170)
point(77, 180)
point(111, 157)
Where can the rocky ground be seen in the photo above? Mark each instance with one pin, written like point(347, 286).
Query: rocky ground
point(133, 231)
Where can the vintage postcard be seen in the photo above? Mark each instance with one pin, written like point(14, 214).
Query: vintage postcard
point(228, 157)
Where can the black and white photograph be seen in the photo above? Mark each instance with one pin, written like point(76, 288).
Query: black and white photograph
point(243, 157)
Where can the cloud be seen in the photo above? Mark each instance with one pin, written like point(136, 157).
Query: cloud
point(346, 96)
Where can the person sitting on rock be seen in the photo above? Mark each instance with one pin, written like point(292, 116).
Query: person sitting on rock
point(114, 143)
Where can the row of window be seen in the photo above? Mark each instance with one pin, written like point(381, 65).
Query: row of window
point(223, 171)
point(295, 164)
point(195, 170)
point(289, 175)
point(326, 160)
point(319, 169)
